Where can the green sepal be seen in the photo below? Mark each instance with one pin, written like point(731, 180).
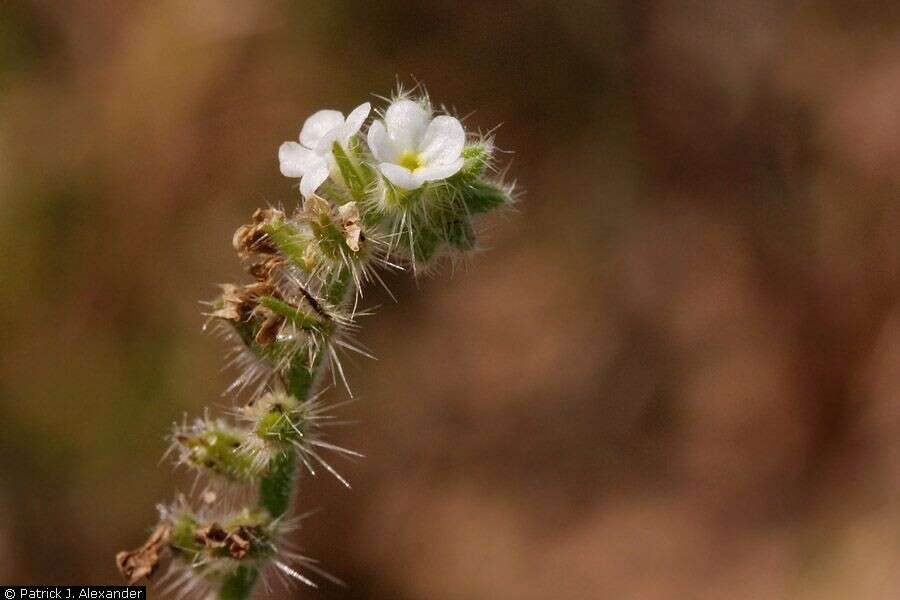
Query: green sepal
point(288, 241)
point(406, 199)
point(348, 171)
point(283, 421)
point(217, 449)
point(294, 315)
point(367, 174)
point(330, 236)
point(481, 197)
point(187, 539)
point(475, 161)
point(425, 244)
point(460, 234)
point(335, 289)
point(274, 352)
point(181, 537)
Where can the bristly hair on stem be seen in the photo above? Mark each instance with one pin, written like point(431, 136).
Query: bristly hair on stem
point(399, 197)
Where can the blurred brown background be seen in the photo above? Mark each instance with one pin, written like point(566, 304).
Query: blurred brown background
point(673, 374)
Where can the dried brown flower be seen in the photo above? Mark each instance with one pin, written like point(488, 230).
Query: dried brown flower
point(141, 563)
point(251, 239)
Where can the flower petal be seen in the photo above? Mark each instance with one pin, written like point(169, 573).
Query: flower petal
point(437, 172)
point(323, 147)
point(401, 176)
point(380, 143)
point(318, 125)
point(294, 159)
point(444, 140)
point(406, 122)
point(312, 179)
point(354, 121)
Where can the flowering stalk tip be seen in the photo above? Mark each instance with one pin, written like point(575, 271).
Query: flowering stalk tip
point(399, 193)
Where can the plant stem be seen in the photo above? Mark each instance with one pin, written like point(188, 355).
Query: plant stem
point(276, 486)
point(239, 585)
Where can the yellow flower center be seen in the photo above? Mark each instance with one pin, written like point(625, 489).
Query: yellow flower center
point(411, 160)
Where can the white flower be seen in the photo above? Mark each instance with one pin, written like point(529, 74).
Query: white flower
point(312, 160)
point(412, 148)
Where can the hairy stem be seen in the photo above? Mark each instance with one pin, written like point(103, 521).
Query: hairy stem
point(276, 486)
point(239, 585)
